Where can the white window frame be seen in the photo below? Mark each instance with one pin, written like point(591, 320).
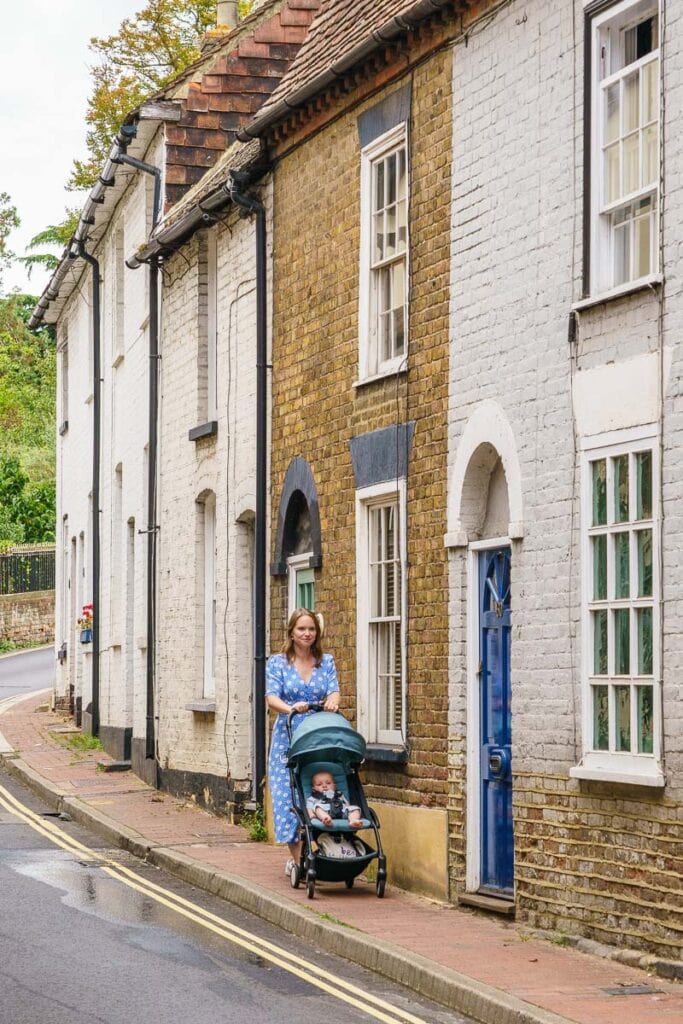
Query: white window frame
point(116, 594)
point(211, 325)
point(602, 277)
point(370, 365)
point(65, 583)
point(369, 498)
point(611, 765)
point(118, 296)
point(295, 565)
point(63, 351)
point(209, 588)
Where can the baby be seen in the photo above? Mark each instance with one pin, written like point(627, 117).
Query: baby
point(326, 802)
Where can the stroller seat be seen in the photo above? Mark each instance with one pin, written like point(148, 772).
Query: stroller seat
point(325, 741)
point(341, 782)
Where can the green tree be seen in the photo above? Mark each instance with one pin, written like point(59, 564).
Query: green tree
point(148, 50)
point(27, 511)
point(53, 236)
point(36, 513)
point(9, 220)
point(27, 390)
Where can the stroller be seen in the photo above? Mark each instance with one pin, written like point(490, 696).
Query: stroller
point(327, 742)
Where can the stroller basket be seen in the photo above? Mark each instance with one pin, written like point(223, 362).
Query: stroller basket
point(327, 742)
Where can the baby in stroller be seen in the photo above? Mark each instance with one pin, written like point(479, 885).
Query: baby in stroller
point(326, 802)
point(325, 753)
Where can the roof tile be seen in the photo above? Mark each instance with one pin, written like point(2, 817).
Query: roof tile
point(337, 29)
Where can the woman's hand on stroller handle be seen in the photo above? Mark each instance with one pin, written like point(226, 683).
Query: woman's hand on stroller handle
point(302, 706)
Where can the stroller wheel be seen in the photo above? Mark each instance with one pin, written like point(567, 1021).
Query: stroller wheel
point(379, 886)
point(295, 876)
point(310, 885)
point(349, 883)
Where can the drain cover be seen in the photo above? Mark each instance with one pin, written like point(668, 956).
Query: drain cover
point(632, 990)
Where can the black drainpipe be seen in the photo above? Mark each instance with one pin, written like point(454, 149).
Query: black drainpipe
point(97, 414)
point(252, 206)
point(152, 528)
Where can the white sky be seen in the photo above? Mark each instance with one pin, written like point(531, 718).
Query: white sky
point(44, 85)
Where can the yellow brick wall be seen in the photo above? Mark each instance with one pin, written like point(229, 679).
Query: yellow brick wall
point(316, 410)
point(598, 864)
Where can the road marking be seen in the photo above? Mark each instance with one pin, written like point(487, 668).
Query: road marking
point(328, 982)
point(16, 698)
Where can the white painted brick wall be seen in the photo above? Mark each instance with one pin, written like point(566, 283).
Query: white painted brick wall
point(511, 295)
point(124, 436)
point(224, 465)
point(517, 236)
point(74, 480)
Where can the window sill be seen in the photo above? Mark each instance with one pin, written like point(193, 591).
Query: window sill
point(386, 754)
point(117, 360)
point(627, 769)
point(630, 288)
point(205, 706)
point(209, 429)
point(63, 428)
point(397, 369)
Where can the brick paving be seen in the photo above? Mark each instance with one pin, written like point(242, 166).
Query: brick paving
point(496, 953)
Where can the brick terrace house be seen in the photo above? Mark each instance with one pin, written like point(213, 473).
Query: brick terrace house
point(361, 241)
point(149, 548)
point(564, 481)
point(521, 694)
point(475, 443)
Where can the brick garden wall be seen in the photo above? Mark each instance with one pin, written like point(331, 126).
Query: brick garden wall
point(25, 617)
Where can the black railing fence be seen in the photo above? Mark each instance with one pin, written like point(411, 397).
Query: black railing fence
point(27, 568)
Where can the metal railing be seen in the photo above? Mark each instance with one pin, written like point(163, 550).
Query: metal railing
point(26, 568)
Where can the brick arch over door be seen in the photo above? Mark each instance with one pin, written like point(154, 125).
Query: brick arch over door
point(298, 491)
point(487, 438)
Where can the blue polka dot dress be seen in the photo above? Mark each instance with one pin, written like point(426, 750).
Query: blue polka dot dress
point(283, 681)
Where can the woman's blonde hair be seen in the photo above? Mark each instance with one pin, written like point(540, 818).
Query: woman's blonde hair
point(316, 648)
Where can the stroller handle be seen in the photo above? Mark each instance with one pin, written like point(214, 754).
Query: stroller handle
point(311, 707)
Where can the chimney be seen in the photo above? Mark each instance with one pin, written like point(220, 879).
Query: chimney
point(226, 14)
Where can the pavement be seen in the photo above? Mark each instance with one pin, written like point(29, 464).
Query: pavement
point(491, 969)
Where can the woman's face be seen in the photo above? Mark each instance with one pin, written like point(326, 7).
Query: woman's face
point(304, 632)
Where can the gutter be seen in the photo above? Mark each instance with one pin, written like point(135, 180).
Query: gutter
point(119, 146)
point(251, 206)
point(198, 216)
point(152, 449)
point(96, 458)
point(389, 32)
point(167, 240)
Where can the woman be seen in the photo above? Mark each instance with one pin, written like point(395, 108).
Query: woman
point(300, 676)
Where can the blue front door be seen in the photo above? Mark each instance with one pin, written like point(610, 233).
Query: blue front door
point(497, 851)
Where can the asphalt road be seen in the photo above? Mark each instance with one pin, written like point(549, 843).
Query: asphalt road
point(27, 671)
point(82, 942)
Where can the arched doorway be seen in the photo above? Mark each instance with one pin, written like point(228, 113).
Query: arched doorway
point(485, 516)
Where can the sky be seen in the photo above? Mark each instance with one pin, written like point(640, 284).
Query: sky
point(44, 86)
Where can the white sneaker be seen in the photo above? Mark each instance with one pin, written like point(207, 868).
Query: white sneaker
point(288, 867)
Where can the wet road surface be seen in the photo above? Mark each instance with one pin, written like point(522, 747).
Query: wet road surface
point(78, 946)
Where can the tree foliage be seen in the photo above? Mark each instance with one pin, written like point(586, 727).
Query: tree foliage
point(148, 50)
point(27, 388)
point(53, 236)
point(27, 511)
point(9, 220)
point(27, 425)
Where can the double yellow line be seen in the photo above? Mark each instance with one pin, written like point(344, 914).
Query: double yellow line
point(307, 971)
